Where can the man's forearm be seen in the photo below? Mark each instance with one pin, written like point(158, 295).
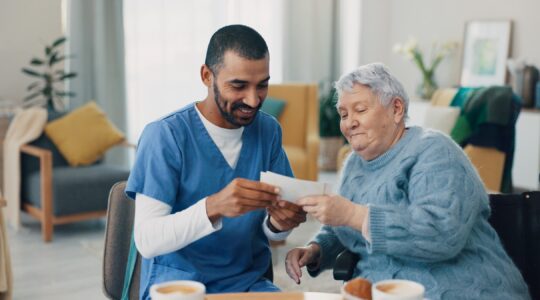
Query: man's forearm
point(158, 232)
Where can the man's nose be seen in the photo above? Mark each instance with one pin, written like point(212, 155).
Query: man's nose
point(252, 99)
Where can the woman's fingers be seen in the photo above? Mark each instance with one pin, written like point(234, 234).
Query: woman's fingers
point(307, 201)
point(304, 259)
point(311, 209)
point(296, 268)
point(291, 265)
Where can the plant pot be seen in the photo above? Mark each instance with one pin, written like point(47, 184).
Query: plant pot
point(426, 88)
point(329, 148)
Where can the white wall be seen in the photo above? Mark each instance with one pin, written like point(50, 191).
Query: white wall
point(386, 22)
point(25, 27)
point(307, 34)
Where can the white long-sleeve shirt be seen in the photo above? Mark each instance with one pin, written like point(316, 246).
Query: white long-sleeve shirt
point(157, 231)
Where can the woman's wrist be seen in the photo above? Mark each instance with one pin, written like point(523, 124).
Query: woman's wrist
point(357, 215)
point(315, 262)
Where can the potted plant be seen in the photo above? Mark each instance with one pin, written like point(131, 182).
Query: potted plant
point(331, 137)
point(50, 78)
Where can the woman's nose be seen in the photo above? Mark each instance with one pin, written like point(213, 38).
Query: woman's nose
point(352, 123)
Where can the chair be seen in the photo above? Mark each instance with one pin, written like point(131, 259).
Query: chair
point(345, 264)
point(120, 216)
point(56, 193)
point(300, 124)
point(515, 218)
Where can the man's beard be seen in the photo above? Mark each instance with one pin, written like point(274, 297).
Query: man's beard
point(222, 106)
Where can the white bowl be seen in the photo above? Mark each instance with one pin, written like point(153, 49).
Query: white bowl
point(178, 290)
point(397, 289)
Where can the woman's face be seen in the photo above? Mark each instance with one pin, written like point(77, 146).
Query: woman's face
point(369, 127)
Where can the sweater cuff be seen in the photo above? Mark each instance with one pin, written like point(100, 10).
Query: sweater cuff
point(329, 252)
point(377, 229)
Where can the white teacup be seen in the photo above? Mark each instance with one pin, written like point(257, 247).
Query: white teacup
point(178, 290)
point(396, 289)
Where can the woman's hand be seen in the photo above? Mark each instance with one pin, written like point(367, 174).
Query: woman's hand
point(334, 210)
point(300, 257)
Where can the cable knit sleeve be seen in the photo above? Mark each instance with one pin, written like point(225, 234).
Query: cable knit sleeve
point(444, 198)
point(330, 248)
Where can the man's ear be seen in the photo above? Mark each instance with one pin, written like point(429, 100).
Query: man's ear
point(206, 75)
point(398, 109)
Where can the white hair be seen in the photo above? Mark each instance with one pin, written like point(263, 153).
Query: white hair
point(378, 79)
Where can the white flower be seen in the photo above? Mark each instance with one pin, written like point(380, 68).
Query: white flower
point(410, 45)
point(438, 51)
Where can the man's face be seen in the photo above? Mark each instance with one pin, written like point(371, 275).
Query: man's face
point(240, 87)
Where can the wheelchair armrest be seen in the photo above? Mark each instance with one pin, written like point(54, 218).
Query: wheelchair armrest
point(345, 264)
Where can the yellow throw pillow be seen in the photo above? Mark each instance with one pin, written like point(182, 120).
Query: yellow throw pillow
point(83, 135)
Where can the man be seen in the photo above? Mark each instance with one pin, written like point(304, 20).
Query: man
point(200, 209)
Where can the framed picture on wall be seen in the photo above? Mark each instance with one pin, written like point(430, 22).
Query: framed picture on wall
point(486, 47)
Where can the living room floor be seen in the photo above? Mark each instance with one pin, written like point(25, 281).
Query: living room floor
point(70, 266)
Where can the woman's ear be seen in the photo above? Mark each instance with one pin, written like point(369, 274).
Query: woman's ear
point(206, 76)
point(398, 108)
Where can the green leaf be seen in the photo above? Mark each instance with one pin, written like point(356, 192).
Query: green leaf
point(31, 72)
point(59, 59)
point(64, 94)
point(52, 58)
point(33, 85)
point(67, 76)
point(36, 62)
point(48, 50)
point(58, 42)
point(31, 96)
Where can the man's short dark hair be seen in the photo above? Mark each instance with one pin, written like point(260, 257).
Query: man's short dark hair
point(241, 39)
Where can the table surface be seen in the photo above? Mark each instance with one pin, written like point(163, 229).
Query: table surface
point(278, 296)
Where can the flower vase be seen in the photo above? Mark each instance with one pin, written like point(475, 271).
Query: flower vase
point(426, 88)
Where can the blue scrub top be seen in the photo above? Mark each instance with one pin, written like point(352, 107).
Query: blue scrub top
point(178, 163)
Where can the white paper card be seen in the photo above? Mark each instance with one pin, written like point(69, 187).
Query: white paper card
point(292, 189)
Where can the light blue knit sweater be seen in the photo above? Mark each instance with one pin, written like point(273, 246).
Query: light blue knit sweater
point(428, 214)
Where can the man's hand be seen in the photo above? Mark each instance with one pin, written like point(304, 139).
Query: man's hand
point(286, 215)
point(239, 197)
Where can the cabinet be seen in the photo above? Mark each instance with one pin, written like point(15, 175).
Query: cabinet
point(526, 170)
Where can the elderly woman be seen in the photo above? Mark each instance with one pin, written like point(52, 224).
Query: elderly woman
point(410, 203)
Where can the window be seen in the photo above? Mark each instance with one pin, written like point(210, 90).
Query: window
point(165, 44)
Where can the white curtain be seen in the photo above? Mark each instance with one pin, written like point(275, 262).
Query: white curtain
point(96, 41)
point(166, 42)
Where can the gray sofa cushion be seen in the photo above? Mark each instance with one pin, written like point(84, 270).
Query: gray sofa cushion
point(75, 190)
